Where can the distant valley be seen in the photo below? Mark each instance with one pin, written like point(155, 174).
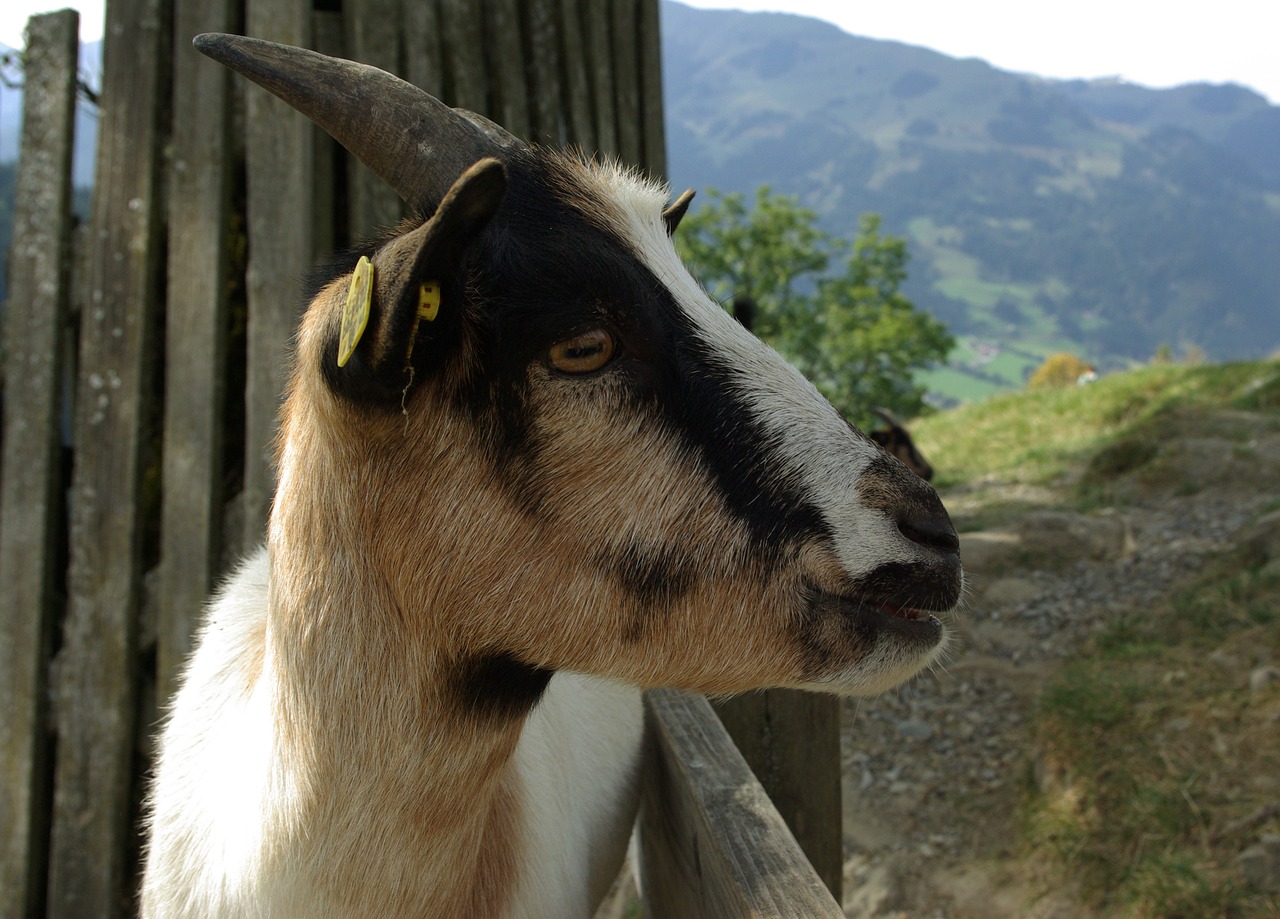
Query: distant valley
point(1097, 217)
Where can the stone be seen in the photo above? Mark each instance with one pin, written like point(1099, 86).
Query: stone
point(1047, 540)
point(988, 550)
point(1260, 864)
point(1062, 538)
point(1010, 591)
point(915, 730)
point(1262, 678)
point(1261, 542)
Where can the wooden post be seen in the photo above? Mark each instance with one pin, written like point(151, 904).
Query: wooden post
point(546, 103)
point(372, 29)
point(511, 96)
point(626, 76)
point(599, 53)
point(653, 130)
point(466, 74)
point(279, 151)
point(580, 123)
point(36, 326)
point(712, 845)
point(97, 666)
point(791, 741)
point(196, 328)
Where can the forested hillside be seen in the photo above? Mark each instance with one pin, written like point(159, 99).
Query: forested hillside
point(1098, 217)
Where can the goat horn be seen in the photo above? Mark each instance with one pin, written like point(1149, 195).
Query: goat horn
point(411, 140)
point(887, 416)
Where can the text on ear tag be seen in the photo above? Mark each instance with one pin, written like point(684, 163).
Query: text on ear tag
point(355, 314)
point(428, 309)
point(428, 300)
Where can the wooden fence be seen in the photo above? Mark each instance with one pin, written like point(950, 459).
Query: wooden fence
point(142, 375)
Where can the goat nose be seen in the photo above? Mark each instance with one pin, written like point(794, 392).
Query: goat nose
point(929, 526)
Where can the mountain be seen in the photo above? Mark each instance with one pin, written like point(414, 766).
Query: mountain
point(1094, 216)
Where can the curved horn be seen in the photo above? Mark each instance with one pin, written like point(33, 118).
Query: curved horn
point(411, 140)
point(887, 416)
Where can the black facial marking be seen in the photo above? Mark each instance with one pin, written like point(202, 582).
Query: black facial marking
point(655, 577)
point(717, 421)
point(846, 626)
point(920, 585)
point(498, 686)
point(548, 272)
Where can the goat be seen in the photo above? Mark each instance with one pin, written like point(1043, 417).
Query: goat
point(549, 473)
point(898, 443)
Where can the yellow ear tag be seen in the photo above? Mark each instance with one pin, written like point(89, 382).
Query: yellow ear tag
point(428, 300)
point(428, 309)
point(355, 315)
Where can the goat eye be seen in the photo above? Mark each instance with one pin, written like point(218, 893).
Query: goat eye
point(583, 353)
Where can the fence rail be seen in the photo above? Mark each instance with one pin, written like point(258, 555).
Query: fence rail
point(141, 390)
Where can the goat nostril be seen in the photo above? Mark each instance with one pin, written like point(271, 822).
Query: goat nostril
point(932, 532)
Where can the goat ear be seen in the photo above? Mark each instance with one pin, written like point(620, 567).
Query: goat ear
point(672, 215)
point(403, 308)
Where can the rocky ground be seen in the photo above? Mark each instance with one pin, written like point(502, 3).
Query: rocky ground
point(935, 771)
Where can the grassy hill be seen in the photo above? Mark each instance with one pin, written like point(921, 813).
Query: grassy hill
point(1143, 734)
point(1086, 441)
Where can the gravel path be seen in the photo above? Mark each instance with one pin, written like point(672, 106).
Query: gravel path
point(935, 770)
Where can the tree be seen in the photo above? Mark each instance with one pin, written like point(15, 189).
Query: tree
point(762, 253)
point(853, 333)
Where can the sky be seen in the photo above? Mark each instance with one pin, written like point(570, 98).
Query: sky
point(1155, 43)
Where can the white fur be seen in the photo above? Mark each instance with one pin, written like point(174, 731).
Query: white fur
point(220, 792)
point(579, 757)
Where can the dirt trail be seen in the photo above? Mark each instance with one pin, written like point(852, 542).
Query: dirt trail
point(935, 771)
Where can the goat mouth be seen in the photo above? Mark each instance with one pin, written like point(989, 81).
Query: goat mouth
point(868, 617)
point(899, 611)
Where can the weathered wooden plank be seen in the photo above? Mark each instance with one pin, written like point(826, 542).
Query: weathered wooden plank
point(791, 741)
point(97, 666)
point(466, 74)
point(626, 79)
point(279, 173)
point(372, 30)
point(580, 122)
point(543, 67)
point(653, 137)
point(196, 323)
point(35, 327)
point(503, 32)
point(598, 48)
point(424, 59)
point(328, 156)
point(711, 843)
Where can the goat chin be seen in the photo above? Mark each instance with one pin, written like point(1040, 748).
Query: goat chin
point(889, 664)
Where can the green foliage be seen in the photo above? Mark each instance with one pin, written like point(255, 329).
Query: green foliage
point(763, 251)
point(852, 332)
